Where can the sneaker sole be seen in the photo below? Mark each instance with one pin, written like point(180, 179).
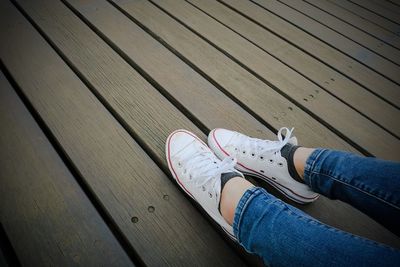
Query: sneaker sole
point(221, 153)
point(171, 169)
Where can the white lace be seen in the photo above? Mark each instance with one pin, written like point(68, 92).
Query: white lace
point(207, 169)
point(262, 147)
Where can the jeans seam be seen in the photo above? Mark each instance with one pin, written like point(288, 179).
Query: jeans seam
point(359, 189)
point(310, 168)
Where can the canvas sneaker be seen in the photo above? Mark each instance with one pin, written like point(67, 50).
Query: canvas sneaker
point(262, 159)
point(198, 172)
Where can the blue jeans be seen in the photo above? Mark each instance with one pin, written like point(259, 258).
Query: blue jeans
point(285, 236)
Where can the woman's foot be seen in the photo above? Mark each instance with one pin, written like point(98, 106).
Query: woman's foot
point(198, 172)
point(263, 159)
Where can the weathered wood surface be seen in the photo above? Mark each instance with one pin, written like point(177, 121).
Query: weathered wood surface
point(353, 125)
point(145, 52)
point(126, 182)
point(361, 24)
point(342, 63)
point(183, 85)
point(363, 39)
point(354, 50)
point(380, 8)
point(111, 79)
point(327, 78)
point(393, 5)
point(368, 15)
point(48, 219)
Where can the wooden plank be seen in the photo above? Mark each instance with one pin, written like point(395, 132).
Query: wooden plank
point(186, 84)
point(323, 52)
point(379, 9)
point(47, 217)
point(388, 52)
point(358, 22)
point(105, 19)
point(390, 5)
point(129, 39)
point(346, 90)
point(394, 2)
point(368, 15)
point(346, 46)
point(332, 111)
point(147, 207)
point(150, 57)
point(104, 69)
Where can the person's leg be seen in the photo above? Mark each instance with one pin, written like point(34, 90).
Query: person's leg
point(279, 233)
point(285, 236)
point(231, 194)
point(368, 184)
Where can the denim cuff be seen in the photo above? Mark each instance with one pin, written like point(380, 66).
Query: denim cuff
point(247, 197)
point(311, 165)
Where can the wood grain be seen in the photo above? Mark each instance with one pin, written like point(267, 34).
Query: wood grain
point(393, 5)
point(124, 179)
point(358, 22)
point(321, 51)
point(129, 39)
point(368, 15)
point(191, 90)
point(121, 175)
point(339, 42)
point(380, 9)
point(332, 81)
point(388, 52)
point(46, 215)
point(334, 112)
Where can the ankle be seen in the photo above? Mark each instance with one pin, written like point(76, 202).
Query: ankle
point(288, 152)
point(231, 195)
point(300, 158)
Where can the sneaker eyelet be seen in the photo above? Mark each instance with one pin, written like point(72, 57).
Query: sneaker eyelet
point(262, 171)
point(253, 155)
point(215, 162)
point(271, 161)
point(203, 188)
point(273, 178)
point(210, 195)
point(261, 158)
point(179, 164)
point(280, 164)
point(244, 152)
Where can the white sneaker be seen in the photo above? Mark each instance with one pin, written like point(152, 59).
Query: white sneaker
point(198, 172)
point(262, 159)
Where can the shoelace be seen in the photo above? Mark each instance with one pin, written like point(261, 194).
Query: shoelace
point(261, 147)
point(205, 167)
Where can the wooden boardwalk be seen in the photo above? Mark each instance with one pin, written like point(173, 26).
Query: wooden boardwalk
point(90, 90)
